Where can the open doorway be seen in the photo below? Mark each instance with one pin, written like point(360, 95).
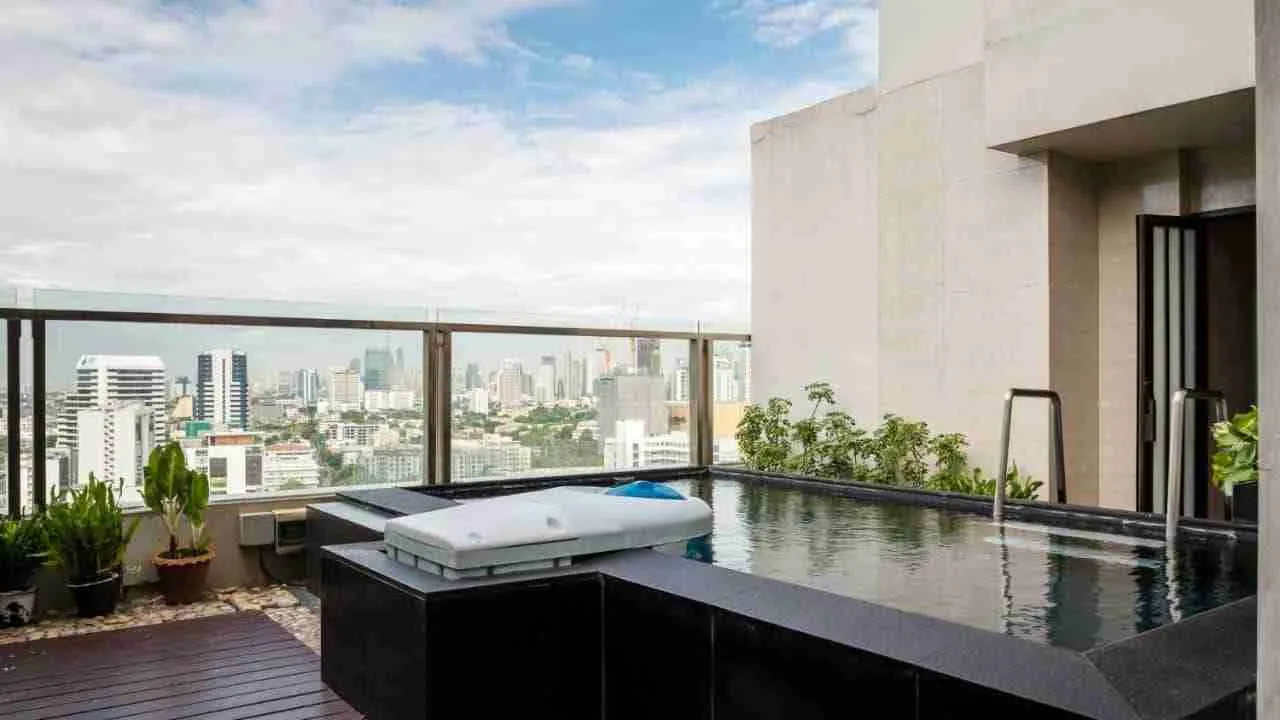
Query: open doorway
point(1197, 328)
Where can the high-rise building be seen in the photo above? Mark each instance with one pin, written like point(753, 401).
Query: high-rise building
point(222, 388)
point(632, 397)
point(306, 383)
point(632, 447)
point(744, 372)
point(478, 401)
point(648, 359)
point(576, 385)
point(724, 379)
point(473, 379)
point(544, 384)
point(379, 365)
point(399, 378)
point(233, 461)
point(510, 382)
point(284, 384)
point(680, 382)
point(346, 391)
point(102, 379)
point(115, 440)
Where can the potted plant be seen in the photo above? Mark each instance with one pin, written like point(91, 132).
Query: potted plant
point(1235, 463)
point(87, 537)
point(22, 552)
point(176, 493)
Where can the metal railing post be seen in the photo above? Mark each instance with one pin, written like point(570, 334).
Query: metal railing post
point(1059, 479)
point(1177, 431)
point(13, 414)
point(437, 430)
point(39, 478)
point(702, 445)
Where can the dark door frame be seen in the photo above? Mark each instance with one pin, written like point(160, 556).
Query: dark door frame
point(1146, 425)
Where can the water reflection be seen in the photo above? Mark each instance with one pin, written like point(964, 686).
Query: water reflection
point(1063, 587)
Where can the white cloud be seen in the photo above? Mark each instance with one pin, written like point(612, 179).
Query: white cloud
point(787, 23)
point(114, 177)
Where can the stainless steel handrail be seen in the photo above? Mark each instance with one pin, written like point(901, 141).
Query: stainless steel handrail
point(1059, 480)
point(1177, 431)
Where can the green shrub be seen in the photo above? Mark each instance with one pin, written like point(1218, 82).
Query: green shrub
point(174, 492)
point(1236, 458)
point(22, 545)
point(828, 443)
point(87, 532)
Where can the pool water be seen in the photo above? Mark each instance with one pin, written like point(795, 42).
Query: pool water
point(1071, 588)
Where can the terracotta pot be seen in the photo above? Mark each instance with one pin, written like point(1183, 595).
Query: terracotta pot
point(97, 597)
point(182, 579)
point(17, 607)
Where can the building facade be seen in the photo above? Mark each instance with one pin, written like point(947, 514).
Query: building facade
point(632, 397)
point(1009, 207)
point(103, 381)
point(222, 389)
point(115, 440)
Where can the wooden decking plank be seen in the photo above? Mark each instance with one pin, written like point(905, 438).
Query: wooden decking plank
point(228, 667)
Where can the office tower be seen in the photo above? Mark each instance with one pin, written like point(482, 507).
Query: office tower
point(510, 382)
point(725, 381)
point(544, 384)
point(284, 384)
point(306, 384)
point(744, 372)
point(680, 382)
point(115, 439)
point(648, 358)
point(222, 389)
point(346, 390)
point(473, 379)
point(478, 401)
point(102, 379)
point(632, 397)
point(576, 385)
point(378, 365)
point(399, 378)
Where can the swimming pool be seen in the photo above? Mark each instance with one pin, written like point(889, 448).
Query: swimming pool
point(1066, 587)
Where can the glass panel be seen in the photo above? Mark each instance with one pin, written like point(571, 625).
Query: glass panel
point(1160, 363)
point(537, 405)
point(730, 394)
point(261, 410)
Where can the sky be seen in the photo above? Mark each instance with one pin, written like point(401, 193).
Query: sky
point(579, 161)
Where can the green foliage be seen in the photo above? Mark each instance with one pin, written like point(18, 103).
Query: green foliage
point(87, 531)
point(829, 443)
point(175, 492)
point(22, 543)
point(1236, 458)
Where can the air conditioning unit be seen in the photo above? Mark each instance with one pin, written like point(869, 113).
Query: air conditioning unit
point(285, 530)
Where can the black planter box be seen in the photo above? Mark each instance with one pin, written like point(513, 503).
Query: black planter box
point(1244, 502)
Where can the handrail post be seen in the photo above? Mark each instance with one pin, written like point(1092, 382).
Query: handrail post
point(1177, 432)
point(1059, 480)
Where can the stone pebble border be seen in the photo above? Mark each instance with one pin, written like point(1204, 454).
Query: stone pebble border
point(278, 602)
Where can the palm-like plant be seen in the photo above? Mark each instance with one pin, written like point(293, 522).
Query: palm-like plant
point(87, 531)
point(174, 492)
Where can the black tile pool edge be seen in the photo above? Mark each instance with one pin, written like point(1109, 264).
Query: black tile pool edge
point(641, 634)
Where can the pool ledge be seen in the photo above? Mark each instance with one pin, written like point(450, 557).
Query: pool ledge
point(712, 639)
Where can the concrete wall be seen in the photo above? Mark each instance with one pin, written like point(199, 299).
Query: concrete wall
point(1045, 59)
point(1073, 317)
point(814, 300)
point(1269, 355)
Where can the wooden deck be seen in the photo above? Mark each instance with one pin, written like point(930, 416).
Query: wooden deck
point(217, 668)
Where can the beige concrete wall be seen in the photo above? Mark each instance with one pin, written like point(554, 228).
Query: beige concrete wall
point(963, 269)
point(1269, 356)
point(1073, 318)
point(233, 564)
point(814, 252)
point(1058, 64)
point(921, 39)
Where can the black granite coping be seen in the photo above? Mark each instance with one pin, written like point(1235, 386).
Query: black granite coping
point(1168, 672)
point(396, 501)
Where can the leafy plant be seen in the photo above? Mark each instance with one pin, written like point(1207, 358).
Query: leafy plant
point(1236, 458)
point(87, 531)
point(829, 443)
point(175, 492)
point(22, 543)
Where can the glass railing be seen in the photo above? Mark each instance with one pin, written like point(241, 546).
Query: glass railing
point(272, 397)
point(527, 405)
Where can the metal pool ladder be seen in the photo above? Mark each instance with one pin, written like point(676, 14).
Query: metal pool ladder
point(1178, 429)
point(1059, 465)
